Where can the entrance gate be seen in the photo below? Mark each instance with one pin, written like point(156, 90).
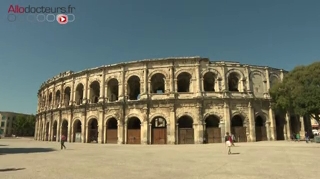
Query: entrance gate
point(112, 131)
point(159, 131)
point(134, 131)
point(185, 131)
point(237, 129)
point(213, 132)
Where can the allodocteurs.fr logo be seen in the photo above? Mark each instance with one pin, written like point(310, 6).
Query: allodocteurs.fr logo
point(62, 15)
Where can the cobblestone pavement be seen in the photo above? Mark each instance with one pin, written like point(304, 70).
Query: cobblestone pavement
point(26, 158)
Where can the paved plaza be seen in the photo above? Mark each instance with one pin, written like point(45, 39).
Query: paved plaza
point(26, 158)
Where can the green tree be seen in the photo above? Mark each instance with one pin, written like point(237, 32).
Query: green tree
point(299, 92)
point(24, 125)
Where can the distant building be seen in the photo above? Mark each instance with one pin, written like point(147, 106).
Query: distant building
point(7, 119)
point(314, 124)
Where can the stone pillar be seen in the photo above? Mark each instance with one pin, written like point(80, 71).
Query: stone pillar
point(120, 133)
point(227, 121)
point(251, 125)
point(50, 130)
point(150, 133)
point(125, 133)
point(247, 81)
point(223, 130)
point(144, 133)
point(83, 129)
point(177, 133)
point(268, 128)
point(302, 129)
point(86, 139)
point(102, 88)
point(198, 81)
point(198, 133)
point(273, 129)
point(287, 127)
point(175, 85)
point(171, 128)
point(85, 90)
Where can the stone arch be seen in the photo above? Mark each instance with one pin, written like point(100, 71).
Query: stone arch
point(238, 129)
point(260, 127)
point(133, 130)
point(109, 117)
point(92, 130)
point(111, 77)
point(67, 95)
point(50, 98)
point(133, 87)
point(132, 115)
point(212, 70)
point(158, 83)
point(57, 97)
point(77, 130)
point(94, 91)
point(91, 117)
point(184, 114)
point(113, 89)
point(184, 82)
point(257, 83)
point(165, 74)
point(79, 93)
point(154, 115)
point(178, 72)
point(273, 79)
point(185, 129)
point(158, 130)
point(111, 130)
point(234, 78)
point(209, 81)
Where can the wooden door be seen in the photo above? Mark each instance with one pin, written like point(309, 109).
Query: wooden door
point(261, 133)
point(186, 136)
point(213, 135)
point(240, 134)
point(159, 136)
point(112, 136)
point(134, 136)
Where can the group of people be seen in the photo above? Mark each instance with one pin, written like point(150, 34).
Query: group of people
point(229, 140)
point(296, 137)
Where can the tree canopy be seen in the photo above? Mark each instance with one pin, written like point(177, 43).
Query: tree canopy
point(299, 92)
point(24, 125)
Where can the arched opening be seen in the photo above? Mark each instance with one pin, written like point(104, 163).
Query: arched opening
point(79, 94)
point(58, 96)
point(134, 131)
point(113, 90)
point(158, 83)
point(44, 99)
point(213, 131)
point(209, 82)
point(94, 92)
point(133, 89)
point(294, 125)
point(47, 131)
point(273, 80)
point(184, 82)
point(40, 100)
point(64, 130)
point(238, 129)
point(92, 131)
point(261, 130)
point(280, 121)
point(67, 95)
point(112, 131)
point(159, 130)
point(50, 99)
point(234, 82)
point(77, 131)
point(54, 131)
point(185, 129)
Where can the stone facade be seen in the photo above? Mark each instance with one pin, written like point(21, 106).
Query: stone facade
point(163, 101)
point(7, 119)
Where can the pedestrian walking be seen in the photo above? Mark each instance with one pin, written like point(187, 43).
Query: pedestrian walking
point(298, 137)
point(228, 139)
point(307, 137)
point(62, 141)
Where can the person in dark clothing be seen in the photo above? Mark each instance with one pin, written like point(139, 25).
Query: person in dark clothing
point(307, 137)
point(63, 139)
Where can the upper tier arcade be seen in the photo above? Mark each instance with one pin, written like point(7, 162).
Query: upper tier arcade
point(157, 79)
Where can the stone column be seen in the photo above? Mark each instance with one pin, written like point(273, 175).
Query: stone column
point(247, 81)
point(177, 133)
point(120, 133)
point(273, 129)
point(85, 139)
point(125, 133)
point(150, 133)
point(302, 130)
point(267, 125)
point(223, 130)
point(252, 130)
point(83, 129)
point(171, 128)
point(144, 133)
point(169, 132)
point(102, 87)
point(227, 121)
point(287, 127)
point(85, 90)
point(198, 81)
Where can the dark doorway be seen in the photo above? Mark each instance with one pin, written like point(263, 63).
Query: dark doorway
point(280, 121)
point(159, 131)
point(64, 130)
point(185, 130)
point(212, 132)
point(261, 130)
point(92, 131)
point(77, 131)
point(112, 131)
point(54, 131)
point(47, 131)
point(237, 129)
point(134, 131)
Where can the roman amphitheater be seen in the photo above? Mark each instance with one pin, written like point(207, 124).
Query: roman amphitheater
point(186, 100)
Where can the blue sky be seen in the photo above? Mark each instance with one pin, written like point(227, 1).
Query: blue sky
point(275, 33)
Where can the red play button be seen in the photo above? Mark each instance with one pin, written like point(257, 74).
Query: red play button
point(62, 19)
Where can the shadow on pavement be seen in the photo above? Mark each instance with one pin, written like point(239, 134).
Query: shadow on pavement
point(4, 151)
point(234, 153)
point(2, 145)
point(11, 169)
